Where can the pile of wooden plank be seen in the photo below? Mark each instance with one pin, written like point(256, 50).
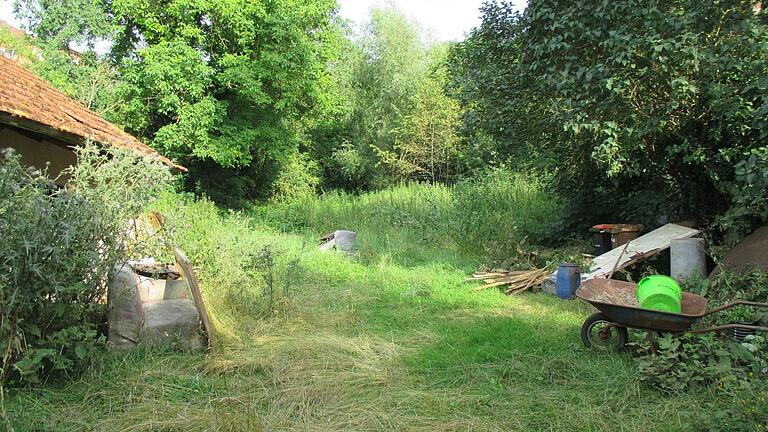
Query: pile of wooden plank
point(514, 282)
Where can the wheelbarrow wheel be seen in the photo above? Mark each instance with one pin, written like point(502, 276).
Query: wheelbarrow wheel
point(600, 332)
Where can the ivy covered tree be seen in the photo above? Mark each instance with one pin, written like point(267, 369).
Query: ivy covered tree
point(646, 107)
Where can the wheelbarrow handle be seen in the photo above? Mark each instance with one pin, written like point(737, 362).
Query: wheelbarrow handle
point(731, 326)
point(735, 303)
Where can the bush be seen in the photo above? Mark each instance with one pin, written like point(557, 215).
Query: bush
point(663, 103)
point(749, 194)
point(299, 178)
point(736, 372)
point(58, 247)
point(247, 273)
point(730, 286)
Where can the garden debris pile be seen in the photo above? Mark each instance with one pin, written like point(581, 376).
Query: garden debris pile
point(514, 282)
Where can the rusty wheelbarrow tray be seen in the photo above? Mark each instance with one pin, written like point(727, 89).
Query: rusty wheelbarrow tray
point(617, 303)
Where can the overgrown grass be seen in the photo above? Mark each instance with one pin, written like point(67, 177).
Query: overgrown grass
point(390, 338)
point(489, 215)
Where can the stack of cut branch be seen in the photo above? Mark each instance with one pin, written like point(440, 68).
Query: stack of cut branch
point(515, 282)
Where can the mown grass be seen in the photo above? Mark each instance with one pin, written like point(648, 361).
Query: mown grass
point(390, 338)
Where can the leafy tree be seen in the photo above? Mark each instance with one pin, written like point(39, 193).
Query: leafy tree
point(60, 23)
point(399, 124)
point(644, 106)
point(427, 144)
point(220, 86)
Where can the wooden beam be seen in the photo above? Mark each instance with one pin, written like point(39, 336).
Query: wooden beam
point(188, 273)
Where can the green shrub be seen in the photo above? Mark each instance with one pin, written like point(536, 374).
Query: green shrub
point(246, 274)
point(730, 286)
point(350, 169)
point(58, 247)
point(679, 363)
point(748, 192)
point(647, 108)
point(299, 178)
point(733, 370)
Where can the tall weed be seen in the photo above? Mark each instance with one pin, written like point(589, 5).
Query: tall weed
point(493, 213)
point(499, 210)
point(246, 272)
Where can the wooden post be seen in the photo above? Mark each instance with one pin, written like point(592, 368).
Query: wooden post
point(188, 273)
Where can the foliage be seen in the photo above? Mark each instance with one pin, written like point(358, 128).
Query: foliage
point(15, 46)
point(399, 123)
point(648, 107)
point(221, 83)
point(494, 214)
point(728, 286)
point(388, 72)
point(428, 147)
point(680, 363)
point(57, 249)
point(736, 371)
point(234, 90)
point(60, 23)
point(86, 77)
point(749, 195)
point(276, 279)
point(415, 213)
point(299, 178)
point(348, 168)
point(499, 210)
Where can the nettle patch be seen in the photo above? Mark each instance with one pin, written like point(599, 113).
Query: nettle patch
point(57, 251)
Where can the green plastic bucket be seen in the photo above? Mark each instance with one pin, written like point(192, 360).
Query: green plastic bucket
point(661, 293)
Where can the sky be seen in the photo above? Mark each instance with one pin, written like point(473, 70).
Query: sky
point(446, 20)
point(6, 12)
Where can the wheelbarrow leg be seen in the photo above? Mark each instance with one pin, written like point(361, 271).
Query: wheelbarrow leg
point(651, 338)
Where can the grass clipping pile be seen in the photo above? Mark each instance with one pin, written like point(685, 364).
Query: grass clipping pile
point(513, 282)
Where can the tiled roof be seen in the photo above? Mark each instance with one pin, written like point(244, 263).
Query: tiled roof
point(30, 99)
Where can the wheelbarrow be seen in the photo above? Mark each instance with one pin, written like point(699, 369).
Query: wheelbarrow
point(616, 302)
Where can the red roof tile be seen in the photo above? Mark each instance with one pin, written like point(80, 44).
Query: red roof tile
point(27, 97)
